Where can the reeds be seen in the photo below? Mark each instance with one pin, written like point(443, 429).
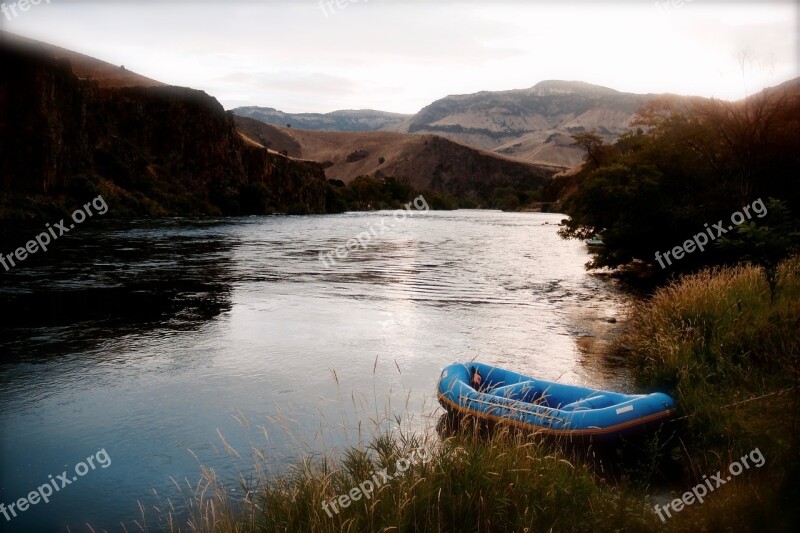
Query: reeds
point(503, 481)
point(714, 339)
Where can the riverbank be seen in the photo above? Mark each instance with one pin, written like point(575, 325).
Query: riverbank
point(713, 340)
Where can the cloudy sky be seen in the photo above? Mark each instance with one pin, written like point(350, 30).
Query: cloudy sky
point(400, 55)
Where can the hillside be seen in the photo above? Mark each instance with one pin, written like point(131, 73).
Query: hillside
point(423, 161)
point(531, 124)
point(84, 67)
point(347, 120)
point(268, 136)
point(149, 149)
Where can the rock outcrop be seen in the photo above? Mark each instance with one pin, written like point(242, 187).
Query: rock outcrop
point(153, 150)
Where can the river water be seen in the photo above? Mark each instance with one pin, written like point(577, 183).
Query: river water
point(147, 343)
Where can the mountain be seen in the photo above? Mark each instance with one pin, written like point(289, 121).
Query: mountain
point(426, 162)
point(73, 127)
point(348, 120)
point(532, 124)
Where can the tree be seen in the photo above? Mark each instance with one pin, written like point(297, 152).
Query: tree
point(592, 144)
point(766, 245)
point(693, 162)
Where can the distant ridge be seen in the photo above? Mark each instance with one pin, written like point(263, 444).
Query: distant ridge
point(346, 120)
point(534, 125)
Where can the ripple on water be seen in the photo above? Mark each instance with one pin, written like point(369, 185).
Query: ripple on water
point(147, 337)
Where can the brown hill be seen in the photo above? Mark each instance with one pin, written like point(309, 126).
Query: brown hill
point(424, 161)
point(268, 136)
point(533, 125)
point(83, 67)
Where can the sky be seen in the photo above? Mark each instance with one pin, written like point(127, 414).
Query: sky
point(401, 55)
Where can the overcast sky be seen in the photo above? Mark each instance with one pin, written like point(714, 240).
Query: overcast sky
point(401, 55)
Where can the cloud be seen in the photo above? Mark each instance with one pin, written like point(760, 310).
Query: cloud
point(400, 55)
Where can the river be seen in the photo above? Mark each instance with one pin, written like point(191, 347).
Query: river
point(149, 339)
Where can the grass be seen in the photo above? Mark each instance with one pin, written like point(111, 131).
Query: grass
point(731, 359)
point(713, 340)
point(470, 480)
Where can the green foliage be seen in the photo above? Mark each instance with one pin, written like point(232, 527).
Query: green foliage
point(505, 198)
point(297, 208)
point(367, 193)
point(334, 199)
point(694, 165)
point(386, 192)
point(729, 356)
point(593, 145)
point(766, 245)
point(715, 338)
point(443, 202)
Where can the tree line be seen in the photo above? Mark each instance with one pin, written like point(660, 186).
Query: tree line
point(689, 164)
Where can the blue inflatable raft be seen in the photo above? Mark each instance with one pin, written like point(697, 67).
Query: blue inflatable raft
point(548, 407)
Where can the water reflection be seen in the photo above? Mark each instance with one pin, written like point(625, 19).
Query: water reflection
point(150, 338)
point(109, 280)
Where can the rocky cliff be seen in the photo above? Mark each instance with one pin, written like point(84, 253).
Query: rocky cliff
point(149, 149)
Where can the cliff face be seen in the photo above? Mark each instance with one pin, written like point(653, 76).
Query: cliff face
point(154, 150)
